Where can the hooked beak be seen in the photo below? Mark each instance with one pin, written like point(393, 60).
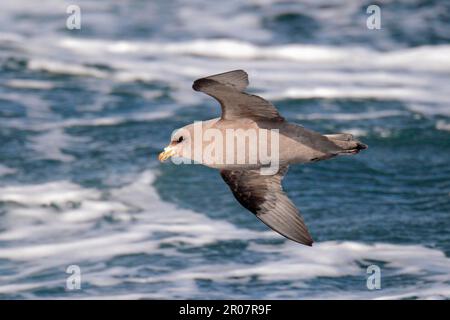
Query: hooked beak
point(166, 154)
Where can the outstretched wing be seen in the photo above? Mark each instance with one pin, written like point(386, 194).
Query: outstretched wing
point(228, 88)
point(264, 196)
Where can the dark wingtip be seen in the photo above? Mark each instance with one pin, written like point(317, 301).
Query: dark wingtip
point(201, 83)
point(309, 243)
point(361, 146)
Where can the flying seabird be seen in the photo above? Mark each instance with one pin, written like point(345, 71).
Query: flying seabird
point(262, 194)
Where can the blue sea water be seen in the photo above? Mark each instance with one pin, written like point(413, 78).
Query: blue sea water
point(84, 114)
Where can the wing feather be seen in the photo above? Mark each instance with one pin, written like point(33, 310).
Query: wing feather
point(264, 196)
point(228, 88)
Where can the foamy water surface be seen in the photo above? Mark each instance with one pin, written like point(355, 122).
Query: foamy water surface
point(83, 115)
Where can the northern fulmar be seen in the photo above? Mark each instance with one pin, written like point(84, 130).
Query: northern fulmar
point(251, 120)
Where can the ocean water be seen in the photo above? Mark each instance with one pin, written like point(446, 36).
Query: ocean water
point(84, 114)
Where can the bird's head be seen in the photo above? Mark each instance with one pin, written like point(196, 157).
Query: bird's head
point(180, 144)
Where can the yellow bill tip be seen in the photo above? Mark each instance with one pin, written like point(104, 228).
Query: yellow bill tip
point(166, 154)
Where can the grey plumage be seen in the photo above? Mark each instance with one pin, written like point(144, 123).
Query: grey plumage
point(261, 194)
point(264, 196)
point(228, 88)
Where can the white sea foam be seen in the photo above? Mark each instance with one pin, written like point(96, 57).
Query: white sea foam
point(4, 170)
point(64, 202)
point(115, 120)
point(67, 208)
point(325, 259)
point(352, 116)
point(357, 132)
point(57, 223)
point(47, 193)
point(42, 117)
point(291, 71)
point(30, 84)
point(443, 125)
point(433, 58)
point(36, 107)
point(342, 92)
point(427, 110)
point(51, 145)
point(58, 67)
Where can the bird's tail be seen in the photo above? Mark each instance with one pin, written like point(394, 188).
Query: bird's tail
point(347, 143)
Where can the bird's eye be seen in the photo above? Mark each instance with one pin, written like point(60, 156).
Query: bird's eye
point(180, 139)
